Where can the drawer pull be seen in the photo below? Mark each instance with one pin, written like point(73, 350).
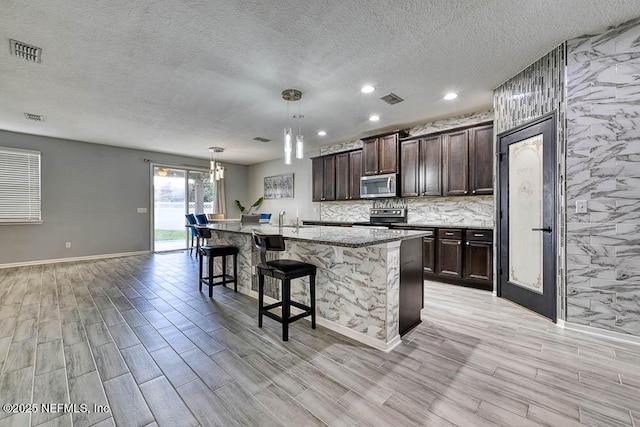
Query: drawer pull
point(478, 234)
point(468, 243)
point(449, 234)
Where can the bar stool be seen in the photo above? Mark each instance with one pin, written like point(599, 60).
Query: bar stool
point(284, 270)
point(211, 252)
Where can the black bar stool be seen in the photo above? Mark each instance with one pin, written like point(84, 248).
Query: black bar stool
point(211, 252)
point(284, 270)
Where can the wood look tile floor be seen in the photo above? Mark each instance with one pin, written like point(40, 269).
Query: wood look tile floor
point(135, 335)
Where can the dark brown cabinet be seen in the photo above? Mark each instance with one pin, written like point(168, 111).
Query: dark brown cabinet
point(342, 176)
point(421, 161)
point(455, 170)
point(449, 253)
point(355, 173)
point(478, 264)
point(348, 173)
point(411, 168)
point(481, 160)
point(380, 155)
point(429, 254)
point(324, 178)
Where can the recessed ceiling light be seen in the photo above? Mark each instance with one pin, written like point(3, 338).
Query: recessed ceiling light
point(367, 89)
point(374, 118)
point(322, 133)
point(450, 96)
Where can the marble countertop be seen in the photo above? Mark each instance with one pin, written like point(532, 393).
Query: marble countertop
point(334, 236)
point(406, 224)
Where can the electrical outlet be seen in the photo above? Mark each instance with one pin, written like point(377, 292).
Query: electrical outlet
point(67, 245)
point(581, 206)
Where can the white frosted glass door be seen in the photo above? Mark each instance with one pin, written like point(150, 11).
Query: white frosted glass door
point(526, 213)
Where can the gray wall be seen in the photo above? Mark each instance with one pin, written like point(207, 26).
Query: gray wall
point(603, 167)
point(90, 193)
point(301, 170)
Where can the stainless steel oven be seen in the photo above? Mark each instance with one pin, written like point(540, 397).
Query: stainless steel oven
point(379, 186)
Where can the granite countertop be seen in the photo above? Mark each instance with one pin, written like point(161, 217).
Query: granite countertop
point(406, 224)
point(334, 236)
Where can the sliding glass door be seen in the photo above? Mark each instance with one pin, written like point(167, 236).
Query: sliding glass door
point(176, 192)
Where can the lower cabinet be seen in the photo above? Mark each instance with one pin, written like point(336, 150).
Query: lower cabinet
point(449, 253)
point(459, 256)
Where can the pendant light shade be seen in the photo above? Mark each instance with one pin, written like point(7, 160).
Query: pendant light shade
point(216, 169)
point(293, 95)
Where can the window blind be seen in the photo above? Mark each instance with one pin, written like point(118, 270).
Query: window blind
point(19, 185)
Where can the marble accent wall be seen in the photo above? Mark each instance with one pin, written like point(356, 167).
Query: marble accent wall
point(532, 93)
point(603, 168)
point(457, 211)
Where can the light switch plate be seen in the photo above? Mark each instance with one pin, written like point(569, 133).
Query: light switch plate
point(142, 210)
point(581, 206)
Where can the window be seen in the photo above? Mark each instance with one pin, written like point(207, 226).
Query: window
point(19, 185)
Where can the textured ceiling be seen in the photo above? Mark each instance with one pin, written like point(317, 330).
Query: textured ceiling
point(179, 77)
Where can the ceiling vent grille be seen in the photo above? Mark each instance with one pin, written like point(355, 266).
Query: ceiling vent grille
point(261, 139)
point(392, 99)
point(34, 117)
point(26, 51)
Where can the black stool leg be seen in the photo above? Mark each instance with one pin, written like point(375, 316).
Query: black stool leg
point(286, 309)
point(312, 294)
point(200, 273)
point(260, 297)
point(224, 271)
point(235, 272)
point(210, 260)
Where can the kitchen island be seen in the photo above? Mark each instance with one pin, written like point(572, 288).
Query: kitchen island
point(369, 281)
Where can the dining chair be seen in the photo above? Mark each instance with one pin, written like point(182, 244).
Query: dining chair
point(201, 219)
point(191, 222)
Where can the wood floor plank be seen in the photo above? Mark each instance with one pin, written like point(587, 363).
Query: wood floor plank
point(326, 409)
point(276, 373)
point(203, 341)
point(50, 387)
point(243, 373)
point(128, 406)
point(49, 357)
point(141, 364)
point(16, 386)
point(78, 359)
point(165, 403)
point(21, 354)
point(109, 361)
point(150, 338)
point(174, 368)
point(285, 408)
point(123, 335)
point(87, 389)
point(208, 370)
point(251, 412)
point(205, 405)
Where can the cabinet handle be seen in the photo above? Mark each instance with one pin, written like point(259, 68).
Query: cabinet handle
point(478, 235)
point(474, 191)
point(466, 191)
point(448, 234)
point(459, 242)
point(467, 243)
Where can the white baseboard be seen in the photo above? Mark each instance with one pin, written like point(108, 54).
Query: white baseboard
point(342, 330)
point(601, 333)
point(73, 259)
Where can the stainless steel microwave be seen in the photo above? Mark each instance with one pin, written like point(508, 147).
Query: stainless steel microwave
point(379, 186)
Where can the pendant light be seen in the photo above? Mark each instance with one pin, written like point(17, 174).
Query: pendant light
point(291, 95)
point(216, 169)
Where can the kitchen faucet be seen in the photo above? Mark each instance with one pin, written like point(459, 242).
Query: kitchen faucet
point(281, 218)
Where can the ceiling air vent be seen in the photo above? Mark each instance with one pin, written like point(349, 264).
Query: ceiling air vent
point(392, 98)
point(26, 51)
point(261, 139)
point(34, 117)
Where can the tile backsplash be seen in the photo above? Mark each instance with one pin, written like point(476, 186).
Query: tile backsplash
point(476, 211)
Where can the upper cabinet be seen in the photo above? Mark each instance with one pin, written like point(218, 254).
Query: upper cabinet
point(468, 162)
point(455, 171)
point(336, 176)
point(324, 178)
point(481, 160)
point(380, 155)
point(421, 161)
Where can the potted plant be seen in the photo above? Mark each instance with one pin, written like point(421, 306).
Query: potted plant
point(255, 204)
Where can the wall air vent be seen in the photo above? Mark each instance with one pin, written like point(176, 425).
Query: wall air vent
point(34, 117)
point(261, 139)
point(392, 98)
point(26, 51)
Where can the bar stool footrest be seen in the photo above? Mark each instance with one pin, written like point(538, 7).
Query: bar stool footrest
point(225, 279)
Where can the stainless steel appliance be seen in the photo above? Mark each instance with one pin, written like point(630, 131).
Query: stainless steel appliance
point(382, 218)
point(379, 186)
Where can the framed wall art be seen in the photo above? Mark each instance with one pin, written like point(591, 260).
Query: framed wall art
point(279, 186)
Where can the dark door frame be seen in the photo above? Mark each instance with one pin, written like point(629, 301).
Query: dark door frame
point(550, 207)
